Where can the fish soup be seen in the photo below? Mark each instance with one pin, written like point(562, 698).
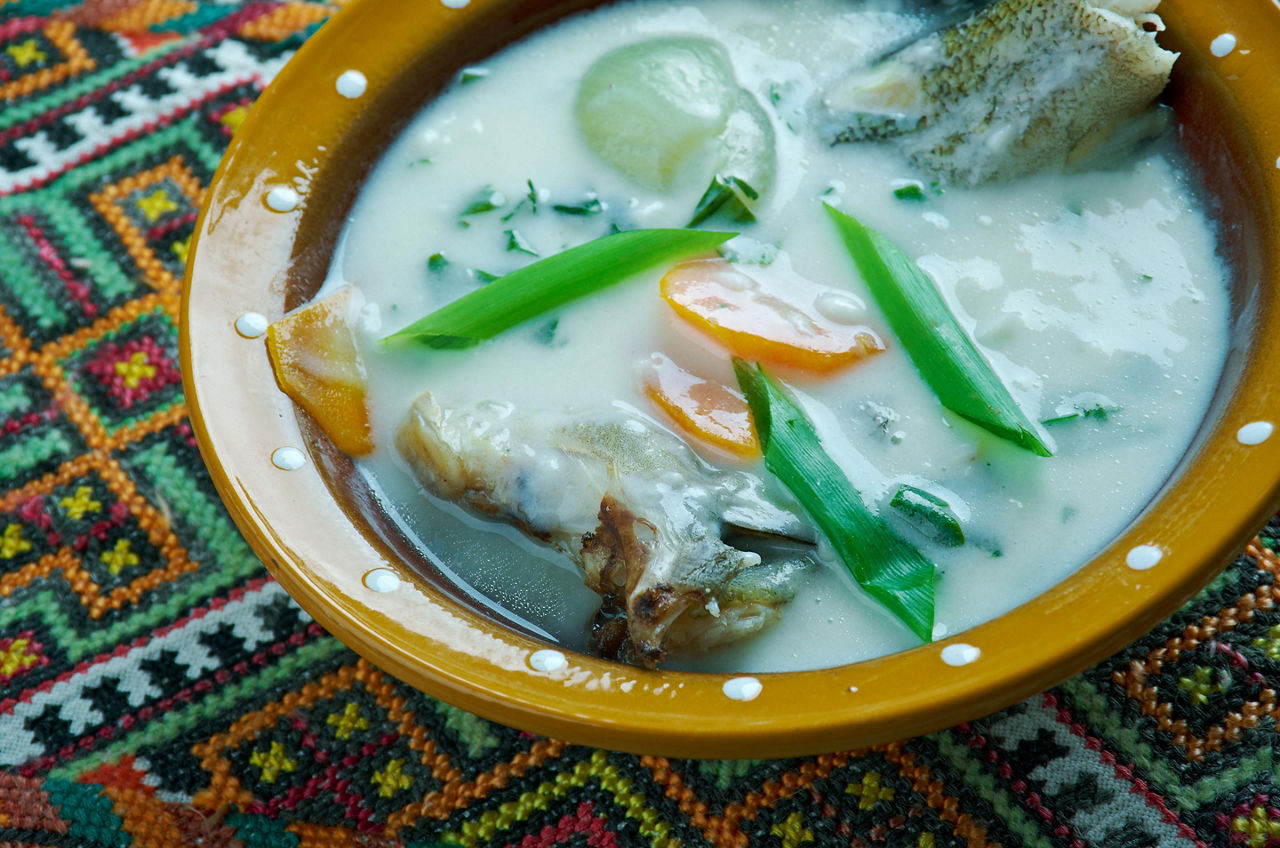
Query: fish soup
point(1096, 296)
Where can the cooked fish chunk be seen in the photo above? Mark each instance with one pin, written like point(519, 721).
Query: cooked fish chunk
point(1021, 86)
point(638, 512)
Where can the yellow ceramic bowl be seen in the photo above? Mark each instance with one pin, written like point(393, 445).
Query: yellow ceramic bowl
point(320, 532)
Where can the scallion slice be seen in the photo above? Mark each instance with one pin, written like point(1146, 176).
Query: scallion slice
point(590, 205)
point(888, 568)
point(552, 282)
point(942, 351)
point(519, 244)
point(929, 514)
point(910, 191)
point(484, 200)
point(725, 195)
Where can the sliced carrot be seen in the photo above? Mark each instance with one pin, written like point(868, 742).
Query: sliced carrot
point(767, 314)
point(313, 353)
point(705, 409)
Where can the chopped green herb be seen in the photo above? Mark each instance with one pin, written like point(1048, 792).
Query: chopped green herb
point(929, 514)
point(551, 282)
point(1146, 278)
point(910, 191)
point(437, 263)
point(1097, 412)
point(942, 351)
point(935, 186)
point(888, 568)
point(786, 103)
point(515, 210)
point(485, 200)
point(590, 205)
point(1085, 405)
point(532, 194)
point(472, 74)
point(546, 333)
point(423, 161)
point(518, 244)
point(988, 544)
point(728, 196)
point(483, 277)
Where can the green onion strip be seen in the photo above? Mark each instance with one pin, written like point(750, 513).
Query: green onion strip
point(550, 283)
point(888, 568)
point(942, 351)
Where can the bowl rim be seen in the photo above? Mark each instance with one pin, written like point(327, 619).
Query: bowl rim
point(244, 256)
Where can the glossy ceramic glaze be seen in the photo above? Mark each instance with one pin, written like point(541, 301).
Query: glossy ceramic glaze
point(263, 245)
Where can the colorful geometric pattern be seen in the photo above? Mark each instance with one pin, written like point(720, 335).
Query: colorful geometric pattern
point(158, 688)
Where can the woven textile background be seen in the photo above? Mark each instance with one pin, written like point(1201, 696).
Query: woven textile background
point(159, 689)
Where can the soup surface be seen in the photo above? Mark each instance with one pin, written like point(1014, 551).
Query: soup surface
point(1097, 297)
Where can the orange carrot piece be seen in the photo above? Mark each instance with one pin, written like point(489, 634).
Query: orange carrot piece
point(767, 314)
point(313, 353)
point(704, 409)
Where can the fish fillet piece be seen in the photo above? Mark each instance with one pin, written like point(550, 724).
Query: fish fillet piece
point(637, 511)
point(1021, 86)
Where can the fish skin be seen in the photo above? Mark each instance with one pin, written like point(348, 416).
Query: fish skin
point(1022, 86)
point(637, 511)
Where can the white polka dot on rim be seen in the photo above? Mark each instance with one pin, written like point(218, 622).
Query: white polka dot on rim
point(288, 459)
point(960, 654)
point(1223, 45)
point(1143, 557)
point(548, 660)
point(454, 4)
point(283, 199)
point(382, 580)
point(351, 84)
point(251, 325)
point(1254, 433)
point(742, 688)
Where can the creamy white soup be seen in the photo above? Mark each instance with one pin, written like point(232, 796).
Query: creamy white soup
point(1098, 297)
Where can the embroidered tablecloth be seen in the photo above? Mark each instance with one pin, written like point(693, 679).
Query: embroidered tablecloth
point(158, 688)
